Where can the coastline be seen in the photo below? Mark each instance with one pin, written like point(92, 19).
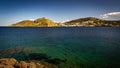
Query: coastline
point(54, 26)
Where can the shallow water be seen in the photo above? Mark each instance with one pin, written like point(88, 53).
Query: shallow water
point(85, 47)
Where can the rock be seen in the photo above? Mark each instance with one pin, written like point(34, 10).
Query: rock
point(38, 56)
point(40, 65)
point(56, 61)
point(6, 66)
point(2, 66)
point(6, 61)
point(12, 50)
point(22, 64)
point(31, 65)
point(13, 63)
point(18, 49)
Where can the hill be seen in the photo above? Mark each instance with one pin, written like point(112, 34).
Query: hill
point(44, 22)
point(24, 23)
point(88, 21)
point(92, 21)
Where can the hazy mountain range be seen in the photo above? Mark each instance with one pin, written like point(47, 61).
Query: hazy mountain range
point(88, 21)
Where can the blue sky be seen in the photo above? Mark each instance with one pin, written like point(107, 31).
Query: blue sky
point(12, 11)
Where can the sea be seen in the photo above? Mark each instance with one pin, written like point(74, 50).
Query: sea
point(67, 47)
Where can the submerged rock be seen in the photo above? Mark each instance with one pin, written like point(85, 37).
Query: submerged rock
point(38, 56)
point(56, 61)
point(46, 58)
point(12, 50)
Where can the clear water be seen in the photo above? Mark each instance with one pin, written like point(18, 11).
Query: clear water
point(85, 47)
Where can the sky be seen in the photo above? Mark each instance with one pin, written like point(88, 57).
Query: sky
point(12, 11)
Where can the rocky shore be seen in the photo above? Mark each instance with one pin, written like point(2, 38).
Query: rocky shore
point(15, 57)
point(13, 63)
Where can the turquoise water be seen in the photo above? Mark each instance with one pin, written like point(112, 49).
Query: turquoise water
point(75, 47)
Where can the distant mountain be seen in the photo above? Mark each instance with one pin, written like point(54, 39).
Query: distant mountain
point(88, 21)
point(38, 22)
point(92, 21)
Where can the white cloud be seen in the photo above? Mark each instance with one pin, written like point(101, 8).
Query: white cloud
point(111, 15)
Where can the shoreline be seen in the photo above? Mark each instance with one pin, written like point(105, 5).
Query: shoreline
point(54, 26)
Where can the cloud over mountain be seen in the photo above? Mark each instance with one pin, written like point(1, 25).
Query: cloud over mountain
point(111, 15)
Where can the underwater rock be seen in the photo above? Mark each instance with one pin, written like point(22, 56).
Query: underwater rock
point(46, 58)
point(55, 61)
point(37, 56)
point(19, 49)
point(11, 50)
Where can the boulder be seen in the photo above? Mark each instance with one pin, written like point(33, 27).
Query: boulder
point(6, 61)
point(22, 64)
point(32, 65)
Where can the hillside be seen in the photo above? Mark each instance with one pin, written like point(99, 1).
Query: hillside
point(44, 22)
point(88, 21)
point(24, 23)
point(92, 21)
